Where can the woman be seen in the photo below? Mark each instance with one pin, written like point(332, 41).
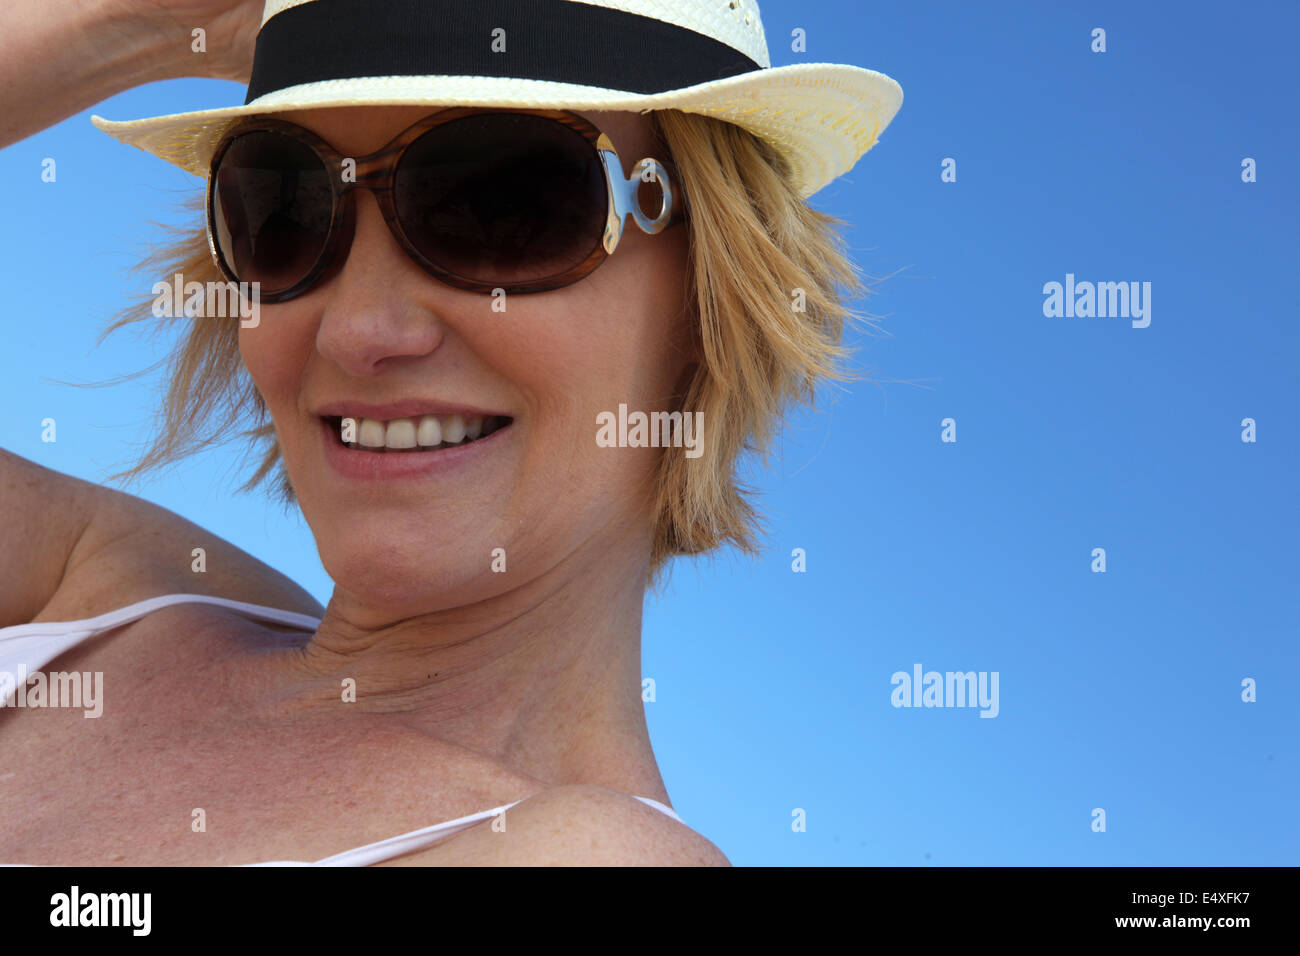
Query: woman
point(452, 332)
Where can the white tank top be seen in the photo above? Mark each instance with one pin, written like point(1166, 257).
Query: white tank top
point(29, 647)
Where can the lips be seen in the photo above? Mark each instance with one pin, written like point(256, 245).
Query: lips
point(407, 435)
point(411, 408)
point(443, 461)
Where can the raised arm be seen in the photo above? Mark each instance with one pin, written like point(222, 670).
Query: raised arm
point(43, 515)
point(58, 57)
point(71, 549)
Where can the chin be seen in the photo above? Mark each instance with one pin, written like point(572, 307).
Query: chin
point(414, 577)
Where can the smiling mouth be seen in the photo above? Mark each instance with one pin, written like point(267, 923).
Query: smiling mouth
point(418, 434)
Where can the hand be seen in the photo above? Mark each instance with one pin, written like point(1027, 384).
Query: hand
point(230, 28)
point(58, 57)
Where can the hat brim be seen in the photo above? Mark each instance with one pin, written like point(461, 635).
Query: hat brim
point(822, 117)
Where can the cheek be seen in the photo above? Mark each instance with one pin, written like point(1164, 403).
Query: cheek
point(250, 356)
point(274, 358)
point(615, 339)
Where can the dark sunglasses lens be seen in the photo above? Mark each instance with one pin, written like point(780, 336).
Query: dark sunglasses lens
point(502, 197)
point(272, 206)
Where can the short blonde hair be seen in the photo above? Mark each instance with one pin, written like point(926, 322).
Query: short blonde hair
point(765, 271)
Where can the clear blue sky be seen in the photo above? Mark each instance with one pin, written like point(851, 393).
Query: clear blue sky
point(1118, 690)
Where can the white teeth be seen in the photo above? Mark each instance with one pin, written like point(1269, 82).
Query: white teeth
point(453, 428)
point(371, 433)
point(430, 432)
point(427, 431)
point(401, 433)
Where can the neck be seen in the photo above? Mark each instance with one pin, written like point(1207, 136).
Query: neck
point(544, 679)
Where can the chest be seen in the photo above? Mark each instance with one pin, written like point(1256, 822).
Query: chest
point(164, 767)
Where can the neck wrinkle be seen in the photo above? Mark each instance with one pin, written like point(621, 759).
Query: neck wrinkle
point(544, 679)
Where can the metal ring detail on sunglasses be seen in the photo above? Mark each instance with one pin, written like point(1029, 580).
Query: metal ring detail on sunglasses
point(624, 195)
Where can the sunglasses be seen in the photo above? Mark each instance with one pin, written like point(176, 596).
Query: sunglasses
point(481, 199)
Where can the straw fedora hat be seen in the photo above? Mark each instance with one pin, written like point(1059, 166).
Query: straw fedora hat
point(699, 56)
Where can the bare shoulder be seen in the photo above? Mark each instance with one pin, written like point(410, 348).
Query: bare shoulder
point(576, 825)
point(132, 549)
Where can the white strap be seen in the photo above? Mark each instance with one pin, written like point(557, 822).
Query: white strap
point(32, 646)
point(419, 839)
point(131, 612)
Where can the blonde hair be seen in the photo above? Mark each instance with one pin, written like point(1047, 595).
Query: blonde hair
point(756, 250)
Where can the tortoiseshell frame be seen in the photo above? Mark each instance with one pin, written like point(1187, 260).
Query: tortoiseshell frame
point(376, 173)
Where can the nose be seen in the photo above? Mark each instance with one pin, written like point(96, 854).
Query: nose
point(377, 306)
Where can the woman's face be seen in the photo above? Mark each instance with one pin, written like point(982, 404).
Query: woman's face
point(382, 331)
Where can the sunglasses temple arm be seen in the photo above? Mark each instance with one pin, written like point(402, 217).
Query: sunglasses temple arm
point(623, 195)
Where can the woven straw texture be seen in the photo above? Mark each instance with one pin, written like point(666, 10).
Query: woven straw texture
point(822, 117)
